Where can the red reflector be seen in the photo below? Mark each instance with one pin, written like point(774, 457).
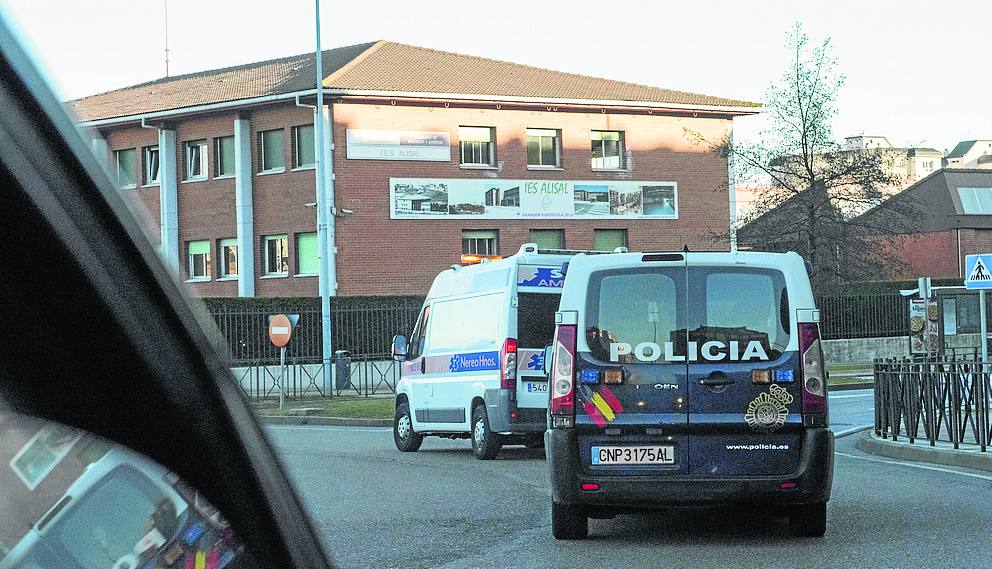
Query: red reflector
point(513, 414)
point(788, 485)
point(589, 486)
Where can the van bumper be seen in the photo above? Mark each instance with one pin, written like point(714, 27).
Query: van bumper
point(813, 478)
point(501, 409)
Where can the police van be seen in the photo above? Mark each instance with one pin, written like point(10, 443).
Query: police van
point(124, 512)
point(683, 379)
point(473, 365)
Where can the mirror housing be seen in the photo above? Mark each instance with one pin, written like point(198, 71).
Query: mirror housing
point(546, 362)
point(399, 348)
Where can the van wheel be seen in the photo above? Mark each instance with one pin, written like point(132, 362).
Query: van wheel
point(568, 522)
point(485, 443)
point(406, 440)
point(808, 520)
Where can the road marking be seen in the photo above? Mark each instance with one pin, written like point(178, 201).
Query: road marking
point(330, 428)
point(832, 397)
point(852, 430)
point(921, 466)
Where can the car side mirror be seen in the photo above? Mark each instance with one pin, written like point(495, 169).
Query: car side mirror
point(399, 348)
point(546, 362)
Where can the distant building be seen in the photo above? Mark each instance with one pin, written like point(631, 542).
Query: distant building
point(970, 154)
point(952, 218)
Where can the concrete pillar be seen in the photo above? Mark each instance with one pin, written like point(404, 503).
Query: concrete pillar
point(102, 152)
point(243, 206)
point(168, 197)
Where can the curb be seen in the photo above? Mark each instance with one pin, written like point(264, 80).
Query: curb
point(329, 421)
point(965, 458)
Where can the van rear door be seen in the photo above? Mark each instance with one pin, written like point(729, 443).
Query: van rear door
point(630, 414)
point(744, 399)
point(535, 330)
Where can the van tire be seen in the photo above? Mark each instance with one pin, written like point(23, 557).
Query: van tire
point(409, 441)
point(568, 522)
point(809, 520)
point(485, 443)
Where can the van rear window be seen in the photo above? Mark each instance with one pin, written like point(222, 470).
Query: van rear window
point(536, 319)
point(739, 304)
point(665, 315)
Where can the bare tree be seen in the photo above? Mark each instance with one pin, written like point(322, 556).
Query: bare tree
point(812, 191)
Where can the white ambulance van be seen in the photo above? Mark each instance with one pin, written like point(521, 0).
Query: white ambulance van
point(472, 368)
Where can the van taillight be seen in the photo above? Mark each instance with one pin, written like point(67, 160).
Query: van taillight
point(508, 373)
point(563, 374)
point(814, 378)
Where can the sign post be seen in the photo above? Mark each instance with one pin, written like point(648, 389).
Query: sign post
point(280, 333)
point(978, 276)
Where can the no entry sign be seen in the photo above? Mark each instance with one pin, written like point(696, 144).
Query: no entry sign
point(280, 329)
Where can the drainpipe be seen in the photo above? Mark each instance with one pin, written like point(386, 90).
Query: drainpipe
point(732, 191)
point(960, 261)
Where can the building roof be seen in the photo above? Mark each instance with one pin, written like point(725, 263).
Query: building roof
point(937, 203)
point(381, 66)
point(961, 148)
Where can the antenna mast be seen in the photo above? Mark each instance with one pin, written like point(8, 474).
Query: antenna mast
point(166, 37)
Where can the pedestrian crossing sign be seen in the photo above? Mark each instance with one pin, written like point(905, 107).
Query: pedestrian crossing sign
point(977, 271)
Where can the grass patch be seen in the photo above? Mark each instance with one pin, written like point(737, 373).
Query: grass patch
point(350, 407)
point(849, 380)
point(850, 367)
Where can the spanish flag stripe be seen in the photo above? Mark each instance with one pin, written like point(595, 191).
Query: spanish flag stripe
point(201, 560)
point(603, 407)
point(611, 399)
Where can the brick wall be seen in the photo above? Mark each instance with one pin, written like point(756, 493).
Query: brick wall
point(379, 256)
point(924, 254)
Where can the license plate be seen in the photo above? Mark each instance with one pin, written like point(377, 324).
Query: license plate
point(658, 454)
point(537, 387)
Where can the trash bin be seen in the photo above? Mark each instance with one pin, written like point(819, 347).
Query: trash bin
point(342, 362)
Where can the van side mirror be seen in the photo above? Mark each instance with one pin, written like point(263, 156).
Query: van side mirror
point(399, 348)
point(546, 362)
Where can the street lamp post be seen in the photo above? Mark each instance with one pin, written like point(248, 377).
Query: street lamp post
point(325, 211)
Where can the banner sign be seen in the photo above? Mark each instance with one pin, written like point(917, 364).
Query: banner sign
point(398, 145)
point(418, 198)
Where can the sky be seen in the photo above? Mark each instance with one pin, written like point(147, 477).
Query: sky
point(918, 72)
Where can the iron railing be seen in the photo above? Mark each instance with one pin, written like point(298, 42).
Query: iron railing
point(851, 316)
point(365, 330)
point(302, 378)
point(947, 398)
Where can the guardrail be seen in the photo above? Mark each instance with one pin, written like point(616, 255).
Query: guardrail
point(948, 398)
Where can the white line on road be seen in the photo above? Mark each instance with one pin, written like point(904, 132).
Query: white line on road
point(921, 466)
point(327, 428)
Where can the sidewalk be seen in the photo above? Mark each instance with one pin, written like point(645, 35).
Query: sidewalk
point(968, 456)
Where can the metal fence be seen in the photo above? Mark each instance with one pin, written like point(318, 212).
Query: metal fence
point(850, 316)
point(364, 329)
point(363, 377)
point(947, 398)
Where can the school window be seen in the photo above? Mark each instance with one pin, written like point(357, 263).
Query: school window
point(43, 452)
point(270, 151)
point(607, 149)
point(276, 255)
point(199, 259)
point(543, 148)
point(196, 160)
point(608, 239)
point(475, 144)
point(307, 261)
point(228, 257)
point(303, 147)
point(124, 159)
point(480, 242)
point(224, 156)
point(548, 238)
point(151, 165)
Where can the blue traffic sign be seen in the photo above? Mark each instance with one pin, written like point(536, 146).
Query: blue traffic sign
point(977, 271)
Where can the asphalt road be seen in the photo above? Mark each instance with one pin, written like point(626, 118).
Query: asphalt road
point(440, 507)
